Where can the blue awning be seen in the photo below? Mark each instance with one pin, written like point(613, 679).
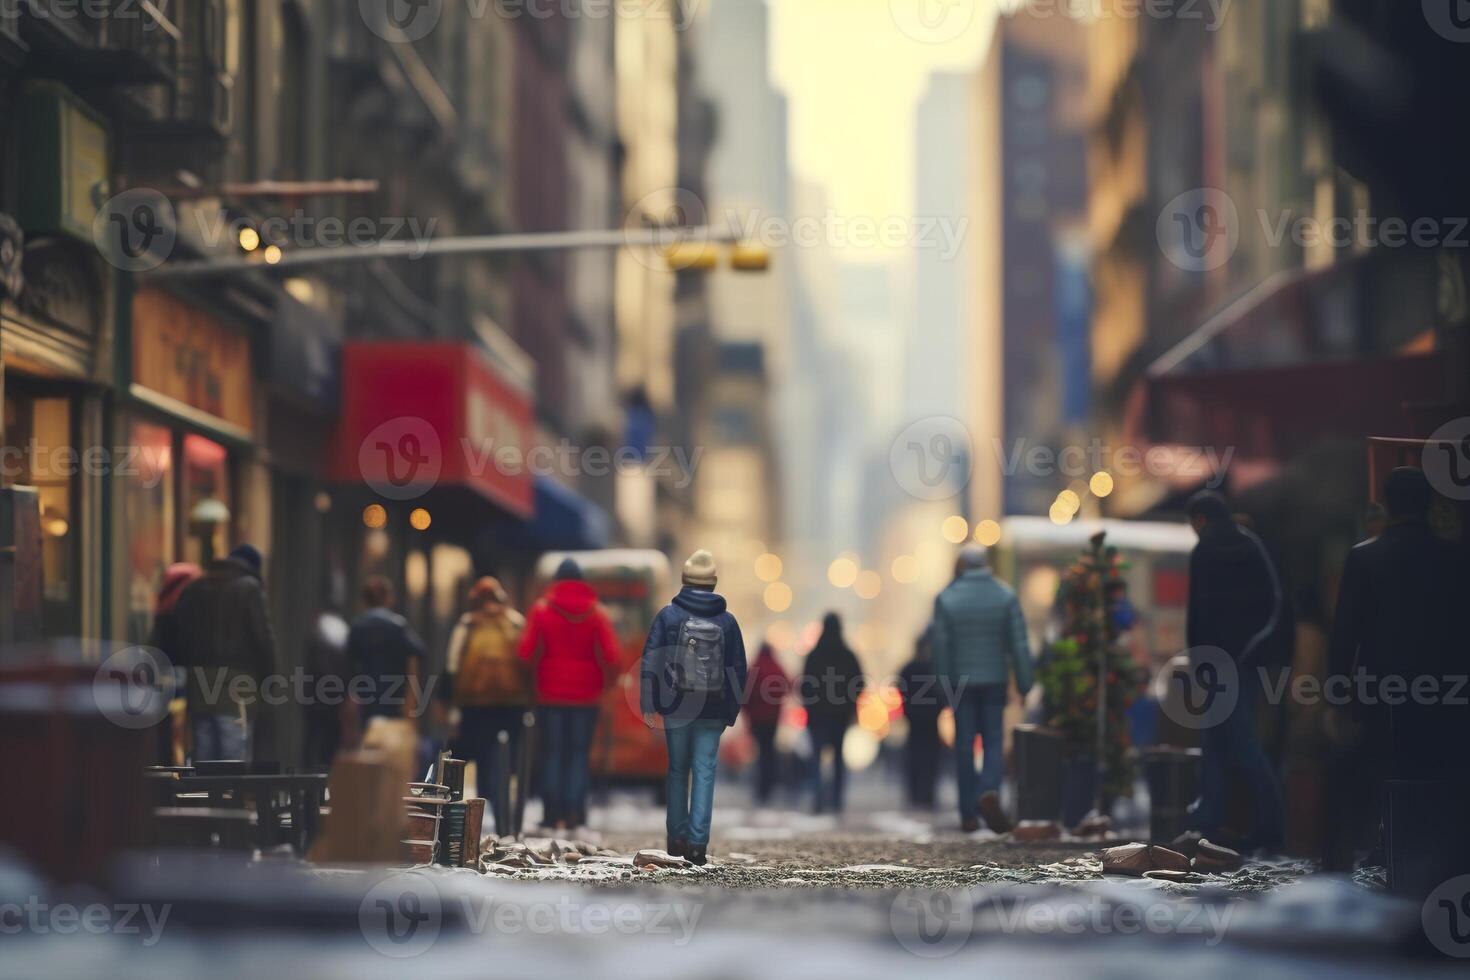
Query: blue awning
point(564, 520)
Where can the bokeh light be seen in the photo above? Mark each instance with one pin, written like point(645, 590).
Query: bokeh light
point(842, 573)
point(905, 569)
point(956, 529)
point(375, 516)
point(987, 533)
point(768, 567)
point(420, 519)
point(1101, 484)
point(778, 597)
point(868, 585)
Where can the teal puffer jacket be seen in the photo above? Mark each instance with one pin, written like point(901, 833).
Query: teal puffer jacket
point(980, 633)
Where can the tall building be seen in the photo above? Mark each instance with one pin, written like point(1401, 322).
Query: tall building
point(1029, 337)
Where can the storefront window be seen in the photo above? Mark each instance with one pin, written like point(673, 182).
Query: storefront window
point(41, 454)
point(148, 505)
point(207, 500)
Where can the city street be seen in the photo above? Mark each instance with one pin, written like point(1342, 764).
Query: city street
point(734, 489)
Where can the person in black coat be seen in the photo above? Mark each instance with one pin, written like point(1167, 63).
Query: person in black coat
point(1235, 606)
point(922, 706)
point(1396, 627)
point(829, 688)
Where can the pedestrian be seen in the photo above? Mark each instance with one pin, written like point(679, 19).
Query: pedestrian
point(1395, 626)
point(979, 645)
point(831, 684)
point(164, 637)
point(573, 652)
point(225, 641)
point(1235, 606)
point(490, 684)
point(923, 703)
point(385, 659)
point(693, 676)
point(766, 694)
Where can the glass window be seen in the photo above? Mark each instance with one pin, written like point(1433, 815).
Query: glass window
point(147, 489)
point(42, 454)
point(207, 500)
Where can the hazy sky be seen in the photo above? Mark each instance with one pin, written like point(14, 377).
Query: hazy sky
point(854, 71)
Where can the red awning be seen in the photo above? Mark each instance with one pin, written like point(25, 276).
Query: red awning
point(416, 416)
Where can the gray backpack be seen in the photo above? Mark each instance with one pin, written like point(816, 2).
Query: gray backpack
point(697, 662)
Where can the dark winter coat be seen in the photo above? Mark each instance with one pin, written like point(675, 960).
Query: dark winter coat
point(1235, 599)
point(222, 632)
point(832, 681)
point(380, 647)
point(656, 696)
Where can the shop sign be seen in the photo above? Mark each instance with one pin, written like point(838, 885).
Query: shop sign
point(191, 359)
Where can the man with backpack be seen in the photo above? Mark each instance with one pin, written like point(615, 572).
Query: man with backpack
point(693, 674)
point(491, 685)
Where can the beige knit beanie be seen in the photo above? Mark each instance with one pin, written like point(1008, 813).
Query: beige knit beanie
point(700, 569)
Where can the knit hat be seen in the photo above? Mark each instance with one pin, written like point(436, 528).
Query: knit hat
point(700, 569)
point(249, 556)
point(568, 570)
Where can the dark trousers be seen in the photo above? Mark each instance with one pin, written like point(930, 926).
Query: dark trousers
point(567, 732)
point(922, 764)
point(767, 762)
point(1232, 745)
point(479, 742)
point(827, 733)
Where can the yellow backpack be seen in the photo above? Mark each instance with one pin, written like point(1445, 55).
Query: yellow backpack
point(491, 673)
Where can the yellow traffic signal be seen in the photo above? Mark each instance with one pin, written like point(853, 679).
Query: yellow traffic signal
point(692, 256)
point(750, 258)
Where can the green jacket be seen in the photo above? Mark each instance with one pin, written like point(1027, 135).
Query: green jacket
point(980, 633)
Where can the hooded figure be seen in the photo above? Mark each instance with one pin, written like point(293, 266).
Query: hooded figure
point(573, 651)
point(830, 686)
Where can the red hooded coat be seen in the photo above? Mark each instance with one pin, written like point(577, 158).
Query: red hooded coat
point(570, 643)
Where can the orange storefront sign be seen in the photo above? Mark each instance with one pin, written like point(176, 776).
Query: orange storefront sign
point(190, 359)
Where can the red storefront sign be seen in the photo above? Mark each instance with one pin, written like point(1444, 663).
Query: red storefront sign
point(421, 415)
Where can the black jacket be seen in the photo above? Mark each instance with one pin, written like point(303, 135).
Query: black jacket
point(831, 681)
point(380, 646)
point(654, 693)
point(1234, 594)
point(222, 632)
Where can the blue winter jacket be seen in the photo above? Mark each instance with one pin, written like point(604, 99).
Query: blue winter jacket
point(655, 695)
point(980, 633)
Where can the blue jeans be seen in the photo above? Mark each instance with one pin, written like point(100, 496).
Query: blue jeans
point(221, 737)
point(567, 733)
point(980, 710)
point(1232, 744)
point(694, 749)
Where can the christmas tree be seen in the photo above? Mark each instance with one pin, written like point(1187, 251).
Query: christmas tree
point(1093, 600)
